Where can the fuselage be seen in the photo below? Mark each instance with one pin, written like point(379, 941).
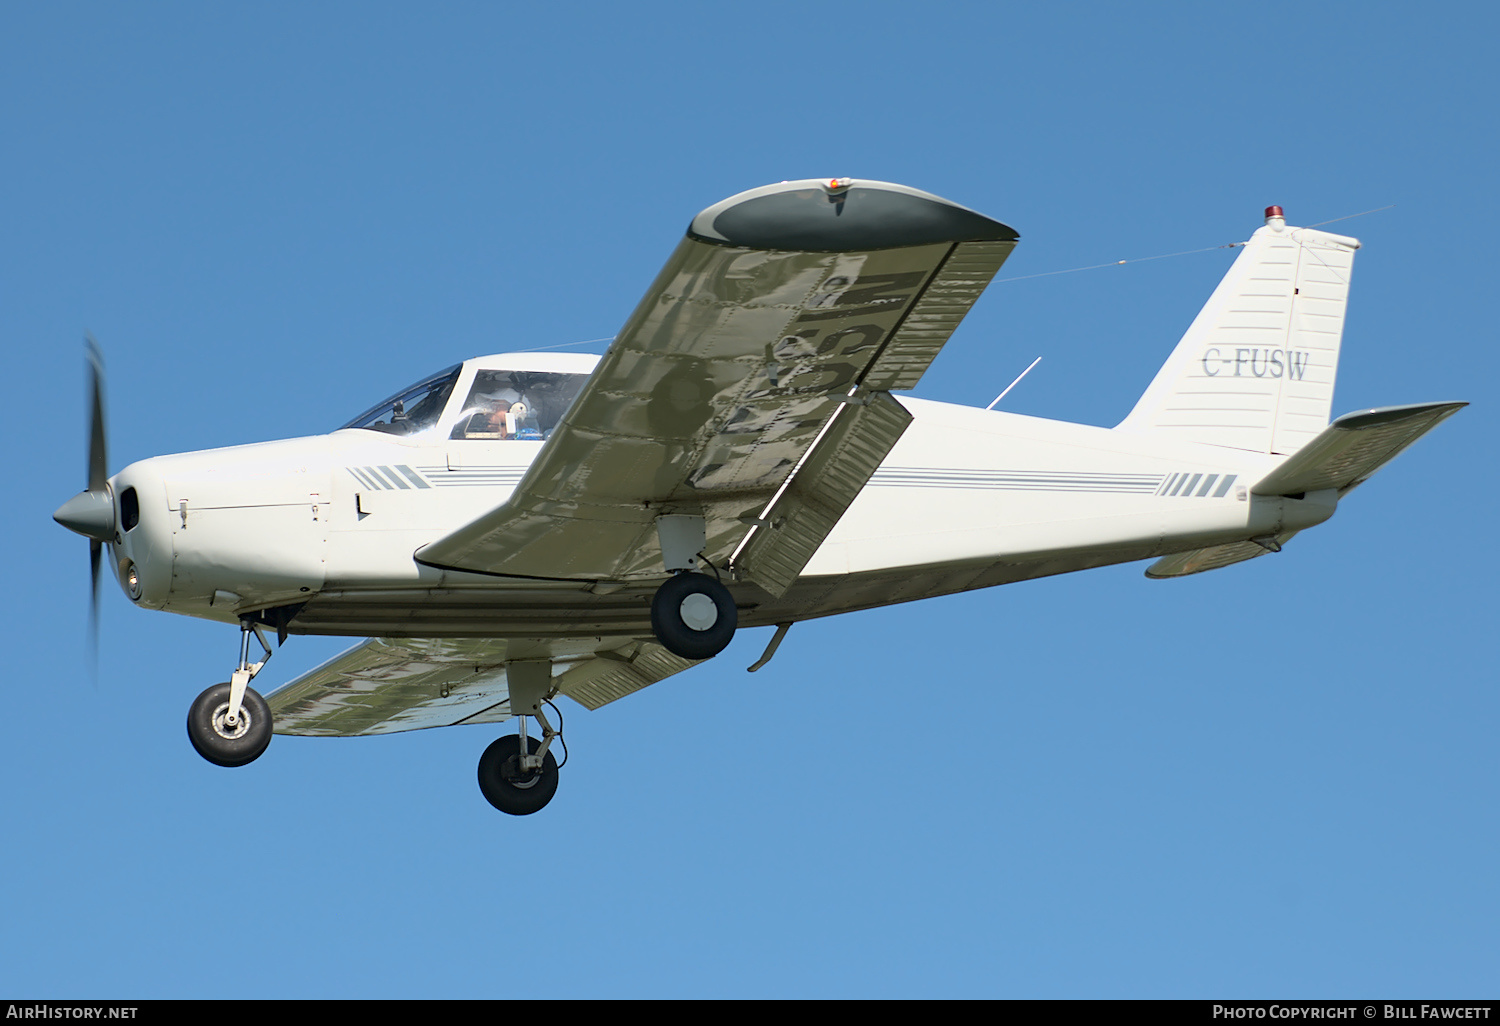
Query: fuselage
point(324, 528)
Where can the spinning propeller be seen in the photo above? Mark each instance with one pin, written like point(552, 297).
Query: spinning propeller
point(91, 512)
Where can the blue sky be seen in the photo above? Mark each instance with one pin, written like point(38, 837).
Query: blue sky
point(1276, 780)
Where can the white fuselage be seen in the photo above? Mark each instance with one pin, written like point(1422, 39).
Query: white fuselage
point(227, 531)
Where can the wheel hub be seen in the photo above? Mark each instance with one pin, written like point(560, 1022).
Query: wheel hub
point(699, 611)
point(516, 777)
point(231, 731)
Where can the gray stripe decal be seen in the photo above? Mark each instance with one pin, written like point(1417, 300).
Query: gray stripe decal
point(1184, 484)
point(359, 476)
point(379, 482)
point(1038, 480)
point(416, 479)
point(1150, 482)
point(1039, 474)
point(394, 478)
point(990, 486)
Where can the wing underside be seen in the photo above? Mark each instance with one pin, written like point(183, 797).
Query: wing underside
point(771, 339)
point(388, 685)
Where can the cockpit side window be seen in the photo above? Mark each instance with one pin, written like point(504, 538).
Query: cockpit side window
point(413, 409)
point(517, 404)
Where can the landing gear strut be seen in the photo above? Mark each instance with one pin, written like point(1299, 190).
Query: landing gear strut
point(230, 724)
point(693, 616)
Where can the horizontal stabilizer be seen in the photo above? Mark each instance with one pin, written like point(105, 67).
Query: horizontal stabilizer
point(1182, 564)
point(1353, 447)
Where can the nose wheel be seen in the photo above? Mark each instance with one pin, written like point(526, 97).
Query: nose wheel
point(512, 787)
point(226, 742)
point(520, 784)
point(230, 724)
point(694, 616)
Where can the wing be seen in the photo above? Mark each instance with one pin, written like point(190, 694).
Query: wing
point(387, 685)
point(772, 338)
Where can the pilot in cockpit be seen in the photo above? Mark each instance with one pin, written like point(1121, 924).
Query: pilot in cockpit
point(500, 414)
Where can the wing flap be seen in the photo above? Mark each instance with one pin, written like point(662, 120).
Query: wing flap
point(1353, 447)
point(613, 675)
point(821, 489)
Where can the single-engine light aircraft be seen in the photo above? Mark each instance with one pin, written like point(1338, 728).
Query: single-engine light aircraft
point(522, 526)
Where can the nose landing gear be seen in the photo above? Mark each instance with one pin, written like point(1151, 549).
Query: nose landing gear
point(230, 724)
point(520, 784)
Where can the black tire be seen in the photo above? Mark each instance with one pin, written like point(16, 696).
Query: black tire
point(220, 745)
point(504, 785)
point(689, 640)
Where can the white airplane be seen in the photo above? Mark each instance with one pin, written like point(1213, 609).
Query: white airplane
point(522, 526)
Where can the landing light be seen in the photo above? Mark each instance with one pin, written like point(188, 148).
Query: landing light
point(132, 579)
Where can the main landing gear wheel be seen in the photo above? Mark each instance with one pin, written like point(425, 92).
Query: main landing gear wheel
point(221, 742)
point(694, 616)
point(510, 788)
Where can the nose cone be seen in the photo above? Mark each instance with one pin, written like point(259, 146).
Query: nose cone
point(91, 514)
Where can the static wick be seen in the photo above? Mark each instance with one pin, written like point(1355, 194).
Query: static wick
point(1016, 382)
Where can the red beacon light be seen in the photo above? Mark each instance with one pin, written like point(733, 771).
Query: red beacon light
point(1274, 213)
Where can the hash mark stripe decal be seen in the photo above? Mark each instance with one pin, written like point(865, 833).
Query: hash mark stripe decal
point(1224, 487)
point(1208, 482)
point(414, 477)
point(379, 481)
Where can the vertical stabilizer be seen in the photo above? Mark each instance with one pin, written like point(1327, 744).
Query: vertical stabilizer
point(1256, 368)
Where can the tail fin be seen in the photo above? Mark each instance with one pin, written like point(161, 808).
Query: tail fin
point(1256, 367)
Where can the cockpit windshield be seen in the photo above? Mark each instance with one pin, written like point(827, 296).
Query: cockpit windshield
point(413, 409)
